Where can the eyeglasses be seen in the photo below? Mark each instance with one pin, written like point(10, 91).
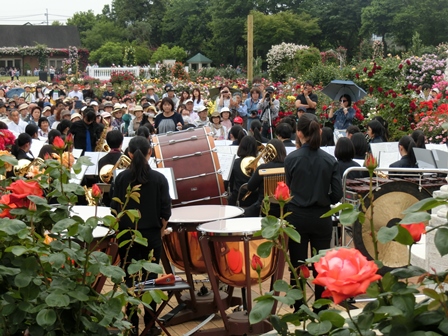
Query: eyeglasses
point(343, 100)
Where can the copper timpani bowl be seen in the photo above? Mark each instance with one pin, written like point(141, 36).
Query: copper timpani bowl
point(232, 247)
point(184, 221)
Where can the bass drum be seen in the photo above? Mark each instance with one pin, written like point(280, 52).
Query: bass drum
point(192, 155)
point(388, 204)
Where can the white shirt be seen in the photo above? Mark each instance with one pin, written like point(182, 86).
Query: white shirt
point(78, 94)
point(17, 128)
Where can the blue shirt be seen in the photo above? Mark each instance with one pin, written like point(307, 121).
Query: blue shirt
point(342, 120)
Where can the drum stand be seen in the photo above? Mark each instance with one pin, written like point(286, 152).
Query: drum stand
point(193, 305)
point(237, 323)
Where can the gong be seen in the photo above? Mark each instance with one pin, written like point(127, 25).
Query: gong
point(388, 204)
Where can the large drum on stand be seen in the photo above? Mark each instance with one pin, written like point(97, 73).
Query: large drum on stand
point(193, 157)
point(228, 247)
point(183, 251)
point(389, 202)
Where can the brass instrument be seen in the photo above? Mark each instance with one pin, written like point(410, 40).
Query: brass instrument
point(101, 145)
point(107, 171)
point(249, 163)
point(24, 166)
point(89, 197)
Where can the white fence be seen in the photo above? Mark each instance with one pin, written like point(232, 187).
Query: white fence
point(104, 73)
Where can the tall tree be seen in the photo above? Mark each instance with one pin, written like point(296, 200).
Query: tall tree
point(185, 24)
point(84, 21)
point(103, 31)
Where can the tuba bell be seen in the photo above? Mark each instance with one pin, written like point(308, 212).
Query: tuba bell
point(107, 171)
point(249, 163)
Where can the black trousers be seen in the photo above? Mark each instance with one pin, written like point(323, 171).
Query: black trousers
point(314, 231)
point(139, 252)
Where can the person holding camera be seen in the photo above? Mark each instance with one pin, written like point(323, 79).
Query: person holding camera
point(307, 99)
point(269, 107)
point(253, 106)
point(224, 99)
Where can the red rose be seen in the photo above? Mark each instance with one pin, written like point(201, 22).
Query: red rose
point(22, 189)
point(412, 126)
point(69, 139)
point(371, 163)
point(408, 62)
point(395, 120)
point(394, 95)
point(392, 105)
point(256, 263)
point(370, 74)
point(304, 271)
point(412, 105)
point(58, 143)
point(324, 108)
point(400, 66)
point(96, 191)
point(416, 230)
point(281, 192)
point(380, 89)
point(370, 89)
point(365, 69)
point(345, 273)
point(379, 67)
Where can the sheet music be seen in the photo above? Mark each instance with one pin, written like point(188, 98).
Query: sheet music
point(152, 162)
point(329, 149)
point(386, 147)
point(289, 150)
point(226, 161)
point(167, 172)
point(441, 147)
point(95, 157)
point(36, 146)
point(125, 143)
point(224, 149)
point(77, 153)
point(223, 143)
point(77, 178)
point(387, 158)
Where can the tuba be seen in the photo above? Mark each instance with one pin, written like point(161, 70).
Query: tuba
point(101, 145)
point(24, 166)
point(249, 163)
point(107, 171)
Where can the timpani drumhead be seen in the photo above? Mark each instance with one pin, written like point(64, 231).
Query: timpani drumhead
point(204, 213)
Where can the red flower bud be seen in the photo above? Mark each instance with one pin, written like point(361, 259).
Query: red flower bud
point(365, 69)
point(370, 74)
point(69, 139)
point(304, 271)
point(394, 95)
point(416, 230)
point(357, 76)
point(96, 191)
point(379, 67)
point(412, 126)
point(380, 89)
point(392, 105)
point(408, 62)
point(58, 143)
point(370, 89)
point(281, 192)
point(371, 163)
point(400, 66)
point(256, 263)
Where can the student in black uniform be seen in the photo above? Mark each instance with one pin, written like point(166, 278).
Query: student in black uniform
point(314, 181)
point(256, 183)
point(154, 207)
point(114, 140)
point(345, 153)
point(406, 148)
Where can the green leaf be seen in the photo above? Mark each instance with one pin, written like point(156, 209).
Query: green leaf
point(46, 317)
point(261, 311)
point(141, 241)
point(271, 231)
point(281, 286)
point(152, 267)
point(431, 293)
point(22, 279)
point(17, 250)
point(387, 234)
point(415, 217)
point(12, 226)
point(408, 272)
point(37, 200)
point(319, 328)
point(372, 306)
point(443, 326)
point(284, 299)
point(405, 303)
point(322, 302)
point(113, 272)
point(264, 249)
point(134, 267)
point(86, 233)
point(389, 310)
point(388, 281)
point(292, 233)
point(147, 297)
point(441, 241)
point(336, 319)
point(424, 205)
point(404, 237)
point(348, 217)
point(62, 225)
point(295, 294)
point(340, 207)
point(124, 242)
point(430, 318)
point(365, 320)
point(57, 300)
point(280, 326)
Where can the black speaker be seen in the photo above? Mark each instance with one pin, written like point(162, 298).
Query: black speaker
point(43, 76)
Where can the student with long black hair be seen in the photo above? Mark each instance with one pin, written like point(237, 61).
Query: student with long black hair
point(313, 178)
point(154, 207)
point(405, 147)
point(22, 146)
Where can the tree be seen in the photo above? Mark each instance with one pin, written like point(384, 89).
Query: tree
point(57, 23)
point(164, 52)
point(109, 53)
point(378, 18)
point(284, 26)
point(103, 31)
point(192, 32)
point(83, 20)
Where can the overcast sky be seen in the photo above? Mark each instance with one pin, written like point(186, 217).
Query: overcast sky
point(33, 11)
